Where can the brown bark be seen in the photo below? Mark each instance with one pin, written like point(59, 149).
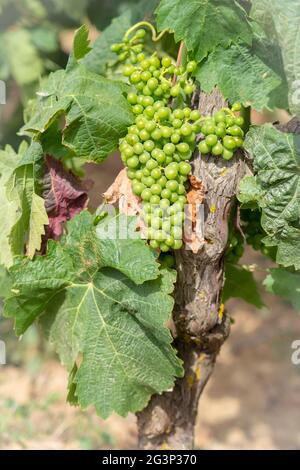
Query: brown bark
point(201, 328)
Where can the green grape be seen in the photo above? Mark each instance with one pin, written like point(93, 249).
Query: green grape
point(178, 114)
point(156, 223)
point(239, 121)
point(151, 164)
point(175, 138)
point(164, 247)
point(145, 76)
point(169, 149)
point(220, 131)
point(128, 152)
point(156, 134)
point(184, 168)
point(172, 185)
point(177, 123)
point(132, 98)
point(235, 131)
point(220, 117)
point(147, 91)
point(186, 129)
point(162, 181)
point(144, 157)
point(150, 125)
point(189, 89)
point(229, 143)
point(146, 194)
point(133, 162)
point(138, 188)
point(182, 200)
point(236, 107)
point(152, 83)
point(195, 115)
point(191, 66)
point(203, 147)
point(149, 112)
point(137, 109)
point(155, 189)
point(139, 174)
point(166, 61)
point(174, 198)
point(166, 132)
point(211, 140)
point(164, 203)
point(132, 139)
point(144, 135)
point(175, 90)
point(149, 145)
point(217, 149)
point(229, 121)
point(171, 172)
point(155, 199)
point(227, 154)
point(154, 244)
point(156, 173)
point(131, 174)
point(147, 101)
point(145, 171)
point(138, 148)
point(166, 194)
point(177, 244)
point(238, 141)
point(145, 64)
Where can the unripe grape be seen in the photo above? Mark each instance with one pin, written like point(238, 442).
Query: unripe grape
point(227, 154)
point(239, 121)
point(137, 109)
point(177, 123)
point(145, 75)
point(175, 90)
point(191, 66)
point(155, 200)
point(172, 185)
point(217, 149)
point(154, 61)
point(138, 148)
point(140, 57)
point(164, 203)
point(155, 189)
point(150, 125)
point(189, 89)
point(236, 107)
point(175, 137)
point(156, 173)
point(164, 247)
point(151, 164)
point(133, 162)
point(166, 194)
point(138, 188)
point(203, 147)
point(211, 140)
point(166, 61)
point(149, 145)
point(152, 83)
point(146, 194)
point(128, 70)
point(149, 111)
point(171, 173)
point(156, 134)
point(145, 64)
point(162, 181)
point(177, 244)
point(158, 92)
point(140, 34)
point(144, 135)
point(169, 149)
point(154, 244)
point(229, 143)
point(166, 132)
point(144, 157)
point(195, 115)
point(178, 114)
point(184, 168)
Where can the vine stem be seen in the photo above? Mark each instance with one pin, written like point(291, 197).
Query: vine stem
point(155, 37)
point(179, 59)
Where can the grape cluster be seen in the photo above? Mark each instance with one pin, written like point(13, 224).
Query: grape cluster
point(158, 146)
point(254, 232)
point(222, 133)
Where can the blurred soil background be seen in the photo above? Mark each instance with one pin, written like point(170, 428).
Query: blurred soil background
point(252, 400)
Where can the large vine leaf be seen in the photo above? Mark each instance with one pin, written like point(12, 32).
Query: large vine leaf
point(281, 20)
point(241, 75)
point(276, 189)
point(96, 112)
point(284, 283)
point(106, 313)
point(204, 24)
point(22, 189)
point(240, 283)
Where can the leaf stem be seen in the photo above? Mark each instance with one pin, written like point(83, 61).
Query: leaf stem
point(179, 59)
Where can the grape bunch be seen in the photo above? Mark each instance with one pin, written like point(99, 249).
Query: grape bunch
point(255, 233)
point(222, 133)
point(158, 146)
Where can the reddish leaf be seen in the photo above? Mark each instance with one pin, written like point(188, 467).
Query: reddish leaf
point(64, 197)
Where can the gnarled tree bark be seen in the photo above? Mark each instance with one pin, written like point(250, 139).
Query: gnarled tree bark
point(201, 327)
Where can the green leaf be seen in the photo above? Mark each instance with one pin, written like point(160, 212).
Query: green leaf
point(45, 38)
point(240, 283)
point(24, 61)
point(240, 74)
point(204, 24)
point(101, 56)
point(23, 190)
point(276, 188)
point(281, 21)
point(117, 251)
point(285, 284)
point(5, 283)
point(81, 45)
point(97, 312)
point(96, 112)
point(9, 160)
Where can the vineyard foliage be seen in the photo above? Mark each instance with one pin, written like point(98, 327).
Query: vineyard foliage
point(104, 303)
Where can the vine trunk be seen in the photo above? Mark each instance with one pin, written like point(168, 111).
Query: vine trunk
point(168, 422)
